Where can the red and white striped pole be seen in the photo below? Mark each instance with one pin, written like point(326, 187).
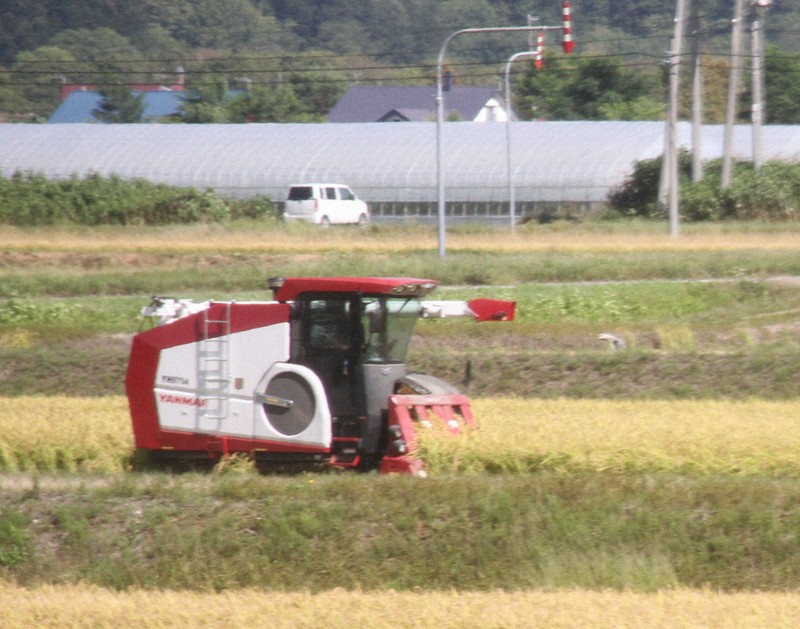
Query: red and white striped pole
point(568, 44)
point(539, 51)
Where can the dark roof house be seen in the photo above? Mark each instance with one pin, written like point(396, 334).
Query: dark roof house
point(378, 103)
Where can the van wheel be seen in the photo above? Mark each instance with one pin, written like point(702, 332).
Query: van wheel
point(325, 222)
point(363, 220)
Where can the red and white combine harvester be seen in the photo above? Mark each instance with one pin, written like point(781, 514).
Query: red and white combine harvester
point(316, 376)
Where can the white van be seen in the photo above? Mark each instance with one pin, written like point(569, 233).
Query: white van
point(325, 204)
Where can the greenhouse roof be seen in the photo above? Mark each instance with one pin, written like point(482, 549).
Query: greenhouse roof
point(551, 161)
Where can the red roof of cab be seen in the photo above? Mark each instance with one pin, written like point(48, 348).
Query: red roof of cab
point(294, 286)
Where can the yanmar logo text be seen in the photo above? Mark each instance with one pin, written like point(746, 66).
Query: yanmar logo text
point(186, 400)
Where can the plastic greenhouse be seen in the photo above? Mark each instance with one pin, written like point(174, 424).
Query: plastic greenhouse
point(570, 166)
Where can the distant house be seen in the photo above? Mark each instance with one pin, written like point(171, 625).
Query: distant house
point(78, 105)
point(378, 103)
point(160, 100)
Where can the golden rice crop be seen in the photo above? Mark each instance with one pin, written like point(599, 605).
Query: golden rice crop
point(88, 606)
point(515, 435)
point(219, 239)
point(49, 433)
point(523, 435)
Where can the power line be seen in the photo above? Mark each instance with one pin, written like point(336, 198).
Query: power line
point(401, 74)
point(304, 57)
point(286, 67)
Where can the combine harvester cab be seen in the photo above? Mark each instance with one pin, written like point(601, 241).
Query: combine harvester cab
point(316, 376)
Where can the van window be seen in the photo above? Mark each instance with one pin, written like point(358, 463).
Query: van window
point(346, 194)
point(330, 193)
point(301, 193)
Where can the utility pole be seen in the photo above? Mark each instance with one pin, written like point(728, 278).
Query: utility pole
point(697, 101)
point(733, 93)
point(671, 156)
point(757, 113)
point(531, 21)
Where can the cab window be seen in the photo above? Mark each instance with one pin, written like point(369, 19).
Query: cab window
point(330, 324)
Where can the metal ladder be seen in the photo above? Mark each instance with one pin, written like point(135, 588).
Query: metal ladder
point(213, 365)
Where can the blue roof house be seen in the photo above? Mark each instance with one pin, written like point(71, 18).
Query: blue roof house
point(78, 106)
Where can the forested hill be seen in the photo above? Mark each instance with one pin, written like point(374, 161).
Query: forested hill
point(294, 58)
point(397, 30)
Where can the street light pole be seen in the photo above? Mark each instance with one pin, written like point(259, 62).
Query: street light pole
point(440, 117)
point(511, 207)
point(733, 94)
point(672, 121)
point(507, 82)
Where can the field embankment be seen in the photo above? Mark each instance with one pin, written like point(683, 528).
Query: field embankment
point(621, 531)
point(240, 257)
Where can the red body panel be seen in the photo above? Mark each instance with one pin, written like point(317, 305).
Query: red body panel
point(143, 366)
point(492, 309)
point(294, 286)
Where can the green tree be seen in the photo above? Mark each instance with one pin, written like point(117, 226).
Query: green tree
point(39, 74)
point(597, 88)
point(119, 104)
point(317, 90)
point(344, 37)
point(638, 108)
point(216, 24)
point(540, 94)
point(263, 104)
point(107, 53)
point(24, 25)
point(156, 43)
point(101, 48)
point(206, 100)
point(12, 105)
point(716, 73)
point(782, 86)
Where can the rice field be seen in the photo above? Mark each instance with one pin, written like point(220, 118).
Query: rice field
point(87, 606)
point(92, 436)
point(681, 436)
point(303, 239)
point(59, 433)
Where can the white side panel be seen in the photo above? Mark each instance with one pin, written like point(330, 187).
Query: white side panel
point(180, 411)
point(181, 404)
